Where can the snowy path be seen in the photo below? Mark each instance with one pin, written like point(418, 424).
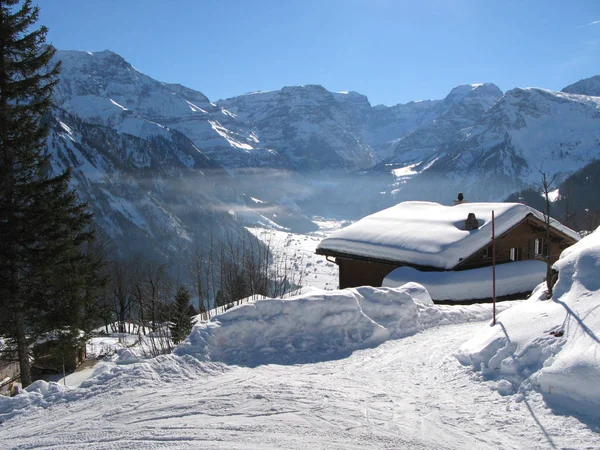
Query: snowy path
point(407, 394)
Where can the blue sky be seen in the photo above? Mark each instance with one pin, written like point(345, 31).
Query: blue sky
point(393, 51)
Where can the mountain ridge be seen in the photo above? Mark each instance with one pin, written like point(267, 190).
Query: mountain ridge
point(308, 150)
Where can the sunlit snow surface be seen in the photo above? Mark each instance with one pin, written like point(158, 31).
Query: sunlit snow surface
point(511, 278)
point(408, 393)
point(299, 251)
point(552, 345)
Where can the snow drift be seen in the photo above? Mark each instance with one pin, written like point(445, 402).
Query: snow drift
point(108, 376)
point(553, 345)
point(318, 325)
point(511, 278)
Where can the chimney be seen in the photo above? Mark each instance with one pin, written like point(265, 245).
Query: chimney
point(471, 223)
point(460, 199)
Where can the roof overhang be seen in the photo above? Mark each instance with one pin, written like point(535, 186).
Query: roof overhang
point(396, 263)
point(531, 218)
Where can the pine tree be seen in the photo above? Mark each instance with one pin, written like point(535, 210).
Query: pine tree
point(44, 270)
point(182, 322)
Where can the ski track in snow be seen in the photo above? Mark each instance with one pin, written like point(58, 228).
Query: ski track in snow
point(409, 393)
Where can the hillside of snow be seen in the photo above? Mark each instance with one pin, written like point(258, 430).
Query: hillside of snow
point(552, 346)
point(297, 251)
point(102, 88)
point(461, 109)
point(587, 86)
point(307, 125)
point(153, 197)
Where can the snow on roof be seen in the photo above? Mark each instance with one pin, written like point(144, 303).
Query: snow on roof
point(428, 234)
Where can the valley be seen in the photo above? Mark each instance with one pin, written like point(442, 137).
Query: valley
point(159, 159)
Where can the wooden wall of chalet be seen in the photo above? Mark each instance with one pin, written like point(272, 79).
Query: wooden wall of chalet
point(354, 273)
point(523, 237)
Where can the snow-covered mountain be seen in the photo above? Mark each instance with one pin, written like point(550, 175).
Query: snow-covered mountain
point(463, 106)
point(304, 149)
point(343, 130)
point(308, 125)
point(153, 197)
point(102, 88)
point(526, 132)
point(587, 86)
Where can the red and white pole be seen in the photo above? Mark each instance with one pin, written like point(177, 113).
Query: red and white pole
point(493, 269)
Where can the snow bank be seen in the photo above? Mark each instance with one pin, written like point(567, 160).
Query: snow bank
point(164, 369)
point(319, 325)
point(553, 345)
point(511, 278)
point(39, 393)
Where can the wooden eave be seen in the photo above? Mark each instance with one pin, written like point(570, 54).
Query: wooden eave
point(343, 255)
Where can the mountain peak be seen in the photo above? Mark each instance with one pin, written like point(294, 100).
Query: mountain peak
point(317, 88)
point(587, 86)
point(478, 89)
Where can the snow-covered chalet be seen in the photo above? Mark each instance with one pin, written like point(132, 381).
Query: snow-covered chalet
point(427, 237)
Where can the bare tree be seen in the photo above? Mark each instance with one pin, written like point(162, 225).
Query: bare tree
point(120, 292)
point(240, 267)
point(198, 265)
point(545, 186)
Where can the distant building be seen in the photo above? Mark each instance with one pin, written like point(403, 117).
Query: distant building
point(432, 237)
point(9, 376)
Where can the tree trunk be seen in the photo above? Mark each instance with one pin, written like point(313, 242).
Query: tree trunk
point(22, 349)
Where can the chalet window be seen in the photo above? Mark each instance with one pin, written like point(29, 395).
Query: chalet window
point(487, 252)
point(515, 254)
point(541, 249)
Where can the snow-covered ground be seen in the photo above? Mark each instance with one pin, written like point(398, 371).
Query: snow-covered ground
point(381, 375)
point(355, 368)
point(409, 393)
point(550, 345)
point(299, 249)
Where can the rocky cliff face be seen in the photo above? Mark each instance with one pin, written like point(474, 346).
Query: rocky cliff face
point(461, 109)
point(153, 198)
point(308, 126)
point(102, 88)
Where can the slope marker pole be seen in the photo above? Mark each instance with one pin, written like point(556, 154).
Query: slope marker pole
point(493, 269)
